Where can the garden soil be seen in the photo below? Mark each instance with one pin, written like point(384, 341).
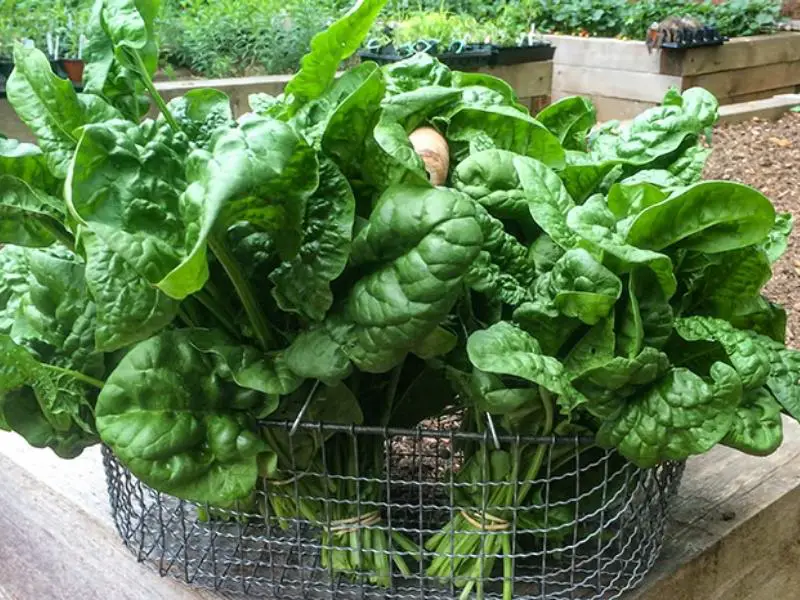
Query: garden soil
point(766, 155)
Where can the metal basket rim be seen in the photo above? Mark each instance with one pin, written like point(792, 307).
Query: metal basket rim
point(424, 432)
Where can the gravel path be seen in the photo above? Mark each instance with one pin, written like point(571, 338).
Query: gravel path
point(766, 155)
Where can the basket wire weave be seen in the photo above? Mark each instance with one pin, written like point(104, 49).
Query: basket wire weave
point(591, 527)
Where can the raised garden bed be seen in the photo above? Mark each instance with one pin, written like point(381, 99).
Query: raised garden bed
point(622, 78)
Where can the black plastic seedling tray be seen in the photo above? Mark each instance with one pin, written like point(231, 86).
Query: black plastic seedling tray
point(707, 36)
point(522, 54)
point(473, 56)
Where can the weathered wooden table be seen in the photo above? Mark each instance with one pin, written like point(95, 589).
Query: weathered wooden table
point(734, 533)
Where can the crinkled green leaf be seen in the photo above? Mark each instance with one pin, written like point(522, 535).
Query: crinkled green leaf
point(103, 73)
point(49, 106)
point(49, 369)
point(570, 120)
point(645, 319)
point(502, 269)
point(474, 129)
point(28, 163)
point(702, 105)
point(628, 199)
point(784, 375)
point(519, 187)
point(414, 72)
point(593, 349)
point(652, 135)
point(778, 239)
point(607, 385)
point(583, 288)
point(202, 115)
point(439, 342)
point(759, 315)
point(482, 89)
point(315, 355)
point(125, 184)
point(595, 223)
point(688, 168)
point(414, 253)
point(302, 284)
point(260, 173)
point(757, 426)
point(129, 309)
point(748, 357)
point(14, 273)
point(711, 216)
point(680, 416)
point(660, 178)
point(350, 124)
point(505, 349)
point(249, 368)
point(551, 329)
point(28, 216)
point(173, 414)
point(583, 174)
point(545, 253)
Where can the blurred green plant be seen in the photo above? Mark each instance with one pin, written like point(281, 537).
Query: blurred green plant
point(240, 37)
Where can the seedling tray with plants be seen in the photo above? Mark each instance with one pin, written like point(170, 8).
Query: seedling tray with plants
point(705, 36)
point(468, 56)
point(388, 328)
point(457, 56)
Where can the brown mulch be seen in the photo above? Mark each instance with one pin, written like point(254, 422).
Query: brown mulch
point(766, 155)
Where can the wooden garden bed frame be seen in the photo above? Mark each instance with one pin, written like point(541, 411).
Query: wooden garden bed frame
point(623, 79)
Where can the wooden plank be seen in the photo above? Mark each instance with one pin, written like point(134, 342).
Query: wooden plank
point(727, 84)
point(736, 520)
point(238, 89)
point(738, 53)
point(610, 108)
point(604, 53)
point(51, 548)
point(11, 126)
point(765, 95)
point(612, 83)
point(771, 108)
point(527, 79)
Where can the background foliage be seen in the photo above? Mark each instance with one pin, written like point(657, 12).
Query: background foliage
point(216, 38)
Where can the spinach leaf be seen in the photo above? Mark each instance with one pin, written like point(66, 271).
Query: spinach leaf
point(49, 370)
point(746, 355)
point(595, 223)
point(328, 49)
point(712, 216)
point(518, 187)
point(302, 284)
point(398, 302)
point(49, 106)
point(473, 129)
point(570, 120)
point(580, 287)
point(507, 350)
point(177, 411)
point(681, 415)
point(757, 427)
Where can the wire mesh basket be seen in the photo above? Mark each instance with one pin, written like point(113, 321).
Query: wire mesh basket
point(407, 514)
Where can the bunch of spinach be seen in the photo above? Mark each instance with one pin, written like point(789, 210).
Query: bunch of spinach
point(169, 284)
